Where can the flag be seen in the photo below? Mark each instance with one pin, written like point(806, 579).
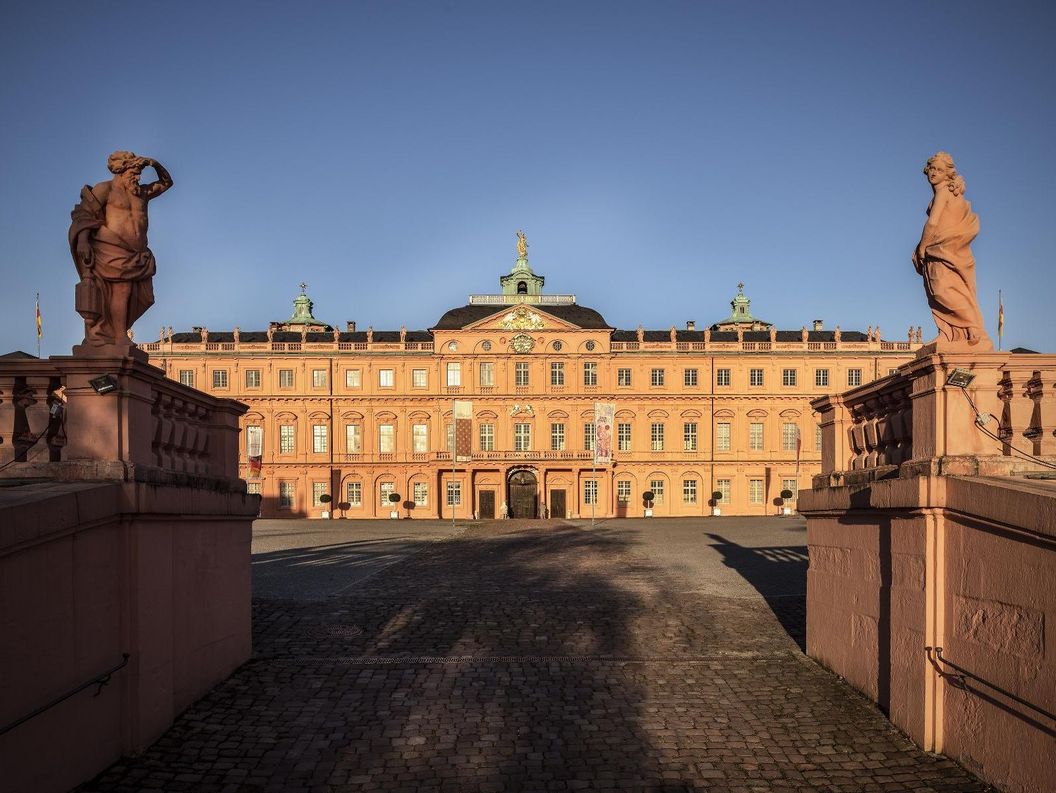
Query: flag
point(1000, 318)
point(604, 415)
point(40, 321)
point(463, 418)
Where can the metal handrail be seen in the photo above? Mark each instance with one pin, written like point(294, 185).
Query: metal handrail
point(959, 679)
point(99, 680)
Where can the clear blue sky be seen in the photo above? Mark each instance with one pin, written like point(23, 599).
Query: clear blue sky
point(656, 153)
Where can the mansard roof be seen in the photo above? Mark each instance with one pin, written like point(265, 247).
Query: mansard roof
point(574, 314)
point(292, 335)
point(731, 335)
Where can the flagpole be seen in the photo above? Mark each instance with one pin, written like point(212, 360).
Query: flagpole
point(1000, 319)
point(38, 325)
point(454, 451)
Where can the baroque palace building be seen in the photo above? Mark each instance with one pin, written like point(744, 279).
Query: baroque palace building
point(359, 415)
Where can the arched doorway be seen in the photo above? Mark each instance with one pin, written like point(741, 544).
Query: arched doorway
point(523, 499)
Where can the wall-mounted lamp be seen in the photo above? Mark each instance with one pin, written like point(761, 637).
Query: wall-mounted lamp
point(961, 378)
point(104, 384)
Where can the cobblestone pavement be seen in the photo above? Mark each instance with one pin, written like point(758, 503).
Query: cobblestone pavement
point(536, 656)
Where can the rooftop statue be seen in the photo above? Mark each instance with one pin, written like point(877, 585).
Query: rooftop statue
point(944, 258)
point(108, 242)
point(522, 245)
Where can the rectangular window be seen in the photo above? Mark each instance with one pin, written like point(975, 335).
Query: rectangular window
point(487, 437)
point(623, 491)
point(557, 373)
point(722, 436)
point(487, 374)
point(689, 378)
point(520, 373)
point(590, 373)
point(318, 378)
point(788, 377)
point(421, 494)
point(420, 438)
point(287, 494)
point(657, 486)
point(590, 491)
point(454, 494)
point(589, 431)
point(454, 374)
point(187, 377)
point(854, 377)
point(623, 437)
point(755, 491)
point(386, 438)
point(354, 493)
point(557, 437)
point(755, 377)
point(522, 437)
point(219, 378)
point(755, 436)
point(722, 377)
point(252, 378)
point(318, 491)
point(793, 485)
point(689, 491)
point(353, 378)
point(418, 378)
point(353, 438)
point(253, 488)
point(656, 377)
point(387, 489)
point(789, 435)
point(817, 438)
point(623, 378)
point(689, 437)
point(285, 378)
point(723, 486)
point(286, 439)
point(821, 378)
point(656, 437)
point(386, 378)
point(320, 441)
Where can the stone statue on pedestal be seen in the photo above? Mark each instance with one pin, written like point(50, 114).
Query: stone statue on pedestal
point(944, 258)
point(108, 242)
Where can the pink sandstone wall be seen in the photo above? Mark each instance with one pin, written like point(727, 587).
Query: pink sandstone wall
point(89, 571)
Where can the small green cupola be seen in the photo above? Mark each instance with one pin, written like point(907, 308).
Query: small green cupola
point(302, 314)
point(741, 314)
point(521, 280)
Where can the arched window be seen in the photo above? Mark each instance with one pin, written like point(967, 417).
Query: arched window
point(522, 287)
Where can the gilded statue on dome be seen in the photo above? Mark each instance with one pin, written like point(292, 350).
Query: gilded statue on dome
point(522, 245)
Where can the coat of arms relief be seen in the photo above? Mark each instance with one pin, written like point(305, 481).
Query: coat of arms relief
point(522, 318)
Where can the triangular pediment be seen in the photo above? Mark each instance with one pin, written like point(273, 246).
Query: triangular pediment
point(522, 318)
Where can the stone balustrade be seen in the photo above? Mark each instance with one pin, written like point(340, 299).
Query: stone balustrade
point(53, 423)
point(915, 418)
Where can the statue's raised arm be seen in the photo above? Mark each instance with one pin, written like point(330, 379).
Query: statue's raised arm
point(944, 258)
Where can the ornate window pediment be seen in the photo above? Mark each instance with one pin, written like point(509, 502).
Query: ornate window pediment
point(724, 414)
point(657, 414)
point(757, 414)
point(790, 414)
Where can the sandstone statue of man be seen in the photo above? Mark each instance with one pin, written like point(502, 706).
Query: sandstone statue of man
point(108, 241)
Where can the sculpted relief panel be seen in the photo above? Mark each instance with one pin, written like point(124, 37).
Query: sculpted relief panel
point(522, 318)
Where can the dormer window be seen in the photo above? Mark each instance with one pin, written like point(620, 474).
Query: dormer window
point(522, 287)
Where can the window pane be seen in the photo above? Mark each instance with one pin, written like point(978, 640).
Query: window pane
point(755, 377)
point(689, 437)
point(253, 378)
point(287, 493)
point(789, 435)
point(386, 438)
point(319, 378)
point(386, 378)
point(657, 486)
point(723, 486)
point(854, 377)
point(722, 377)
point(722, 436)
point(285, 378)
point(487, 374)
point(187, 377)
point(755, 436)
point(387, 489)
point(420, 438)
point(319, 438)
point(755, 491)
point(557, 437)
point(354, 493)
point(454, 494)
point(657, 437)
point(219, 378)
point(590, 491)
point(788, 377)
point(487, 437)
point(318, 491)
point(690, 378)
point(656, 377)
point(454, 374)
point(353, 378)
point(286, 439)
point(588, 436)
point(623, 437)
point(557, 373)
point(623, 491)
point(353, 438)
point(689, 491)
point(418, 378)
point(421, 494)
point(522, 437)
point(623, 377)
point(590, 373)
point(520, 374)
point(821, 378)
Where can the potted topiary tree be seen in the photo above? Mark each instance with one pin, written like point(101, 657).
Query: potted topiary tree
point(786, 495)
point(716, 499)
point(394, 499)
point(344, 506)
point(647, 498)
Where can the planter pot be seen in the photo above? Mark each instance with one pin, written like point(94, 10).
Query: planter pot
point(395, 514)
point(715, 511)
point(324, 514)
point(786, 510)
point(648, 513)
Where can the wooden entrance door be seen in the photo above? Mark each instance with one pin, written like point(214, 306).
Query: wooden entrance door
point(487, 505)
point(557, 504)
point(523, 502)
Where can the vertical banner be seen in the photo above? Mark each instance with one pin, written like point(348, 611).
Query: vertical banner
point(604, 416)
point(254, 450)
point(463, 418)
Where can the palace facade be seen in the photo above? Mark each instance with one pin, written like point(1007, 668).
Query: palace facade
point(361, 415)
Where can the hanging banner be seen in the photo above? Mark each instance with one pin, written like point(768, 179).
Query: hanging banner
point(254, 450)
point(604, 416)
point(463, 418)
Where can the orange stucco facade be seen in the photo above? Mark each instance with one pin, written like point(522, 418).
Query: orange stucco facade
point(358, 415)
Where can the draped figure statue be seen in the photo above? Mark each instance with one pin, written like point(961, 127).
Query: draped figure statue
point(944, 258)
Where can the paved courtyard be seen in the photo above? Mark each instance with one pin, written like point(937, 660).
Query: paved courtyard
point(659, 655)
